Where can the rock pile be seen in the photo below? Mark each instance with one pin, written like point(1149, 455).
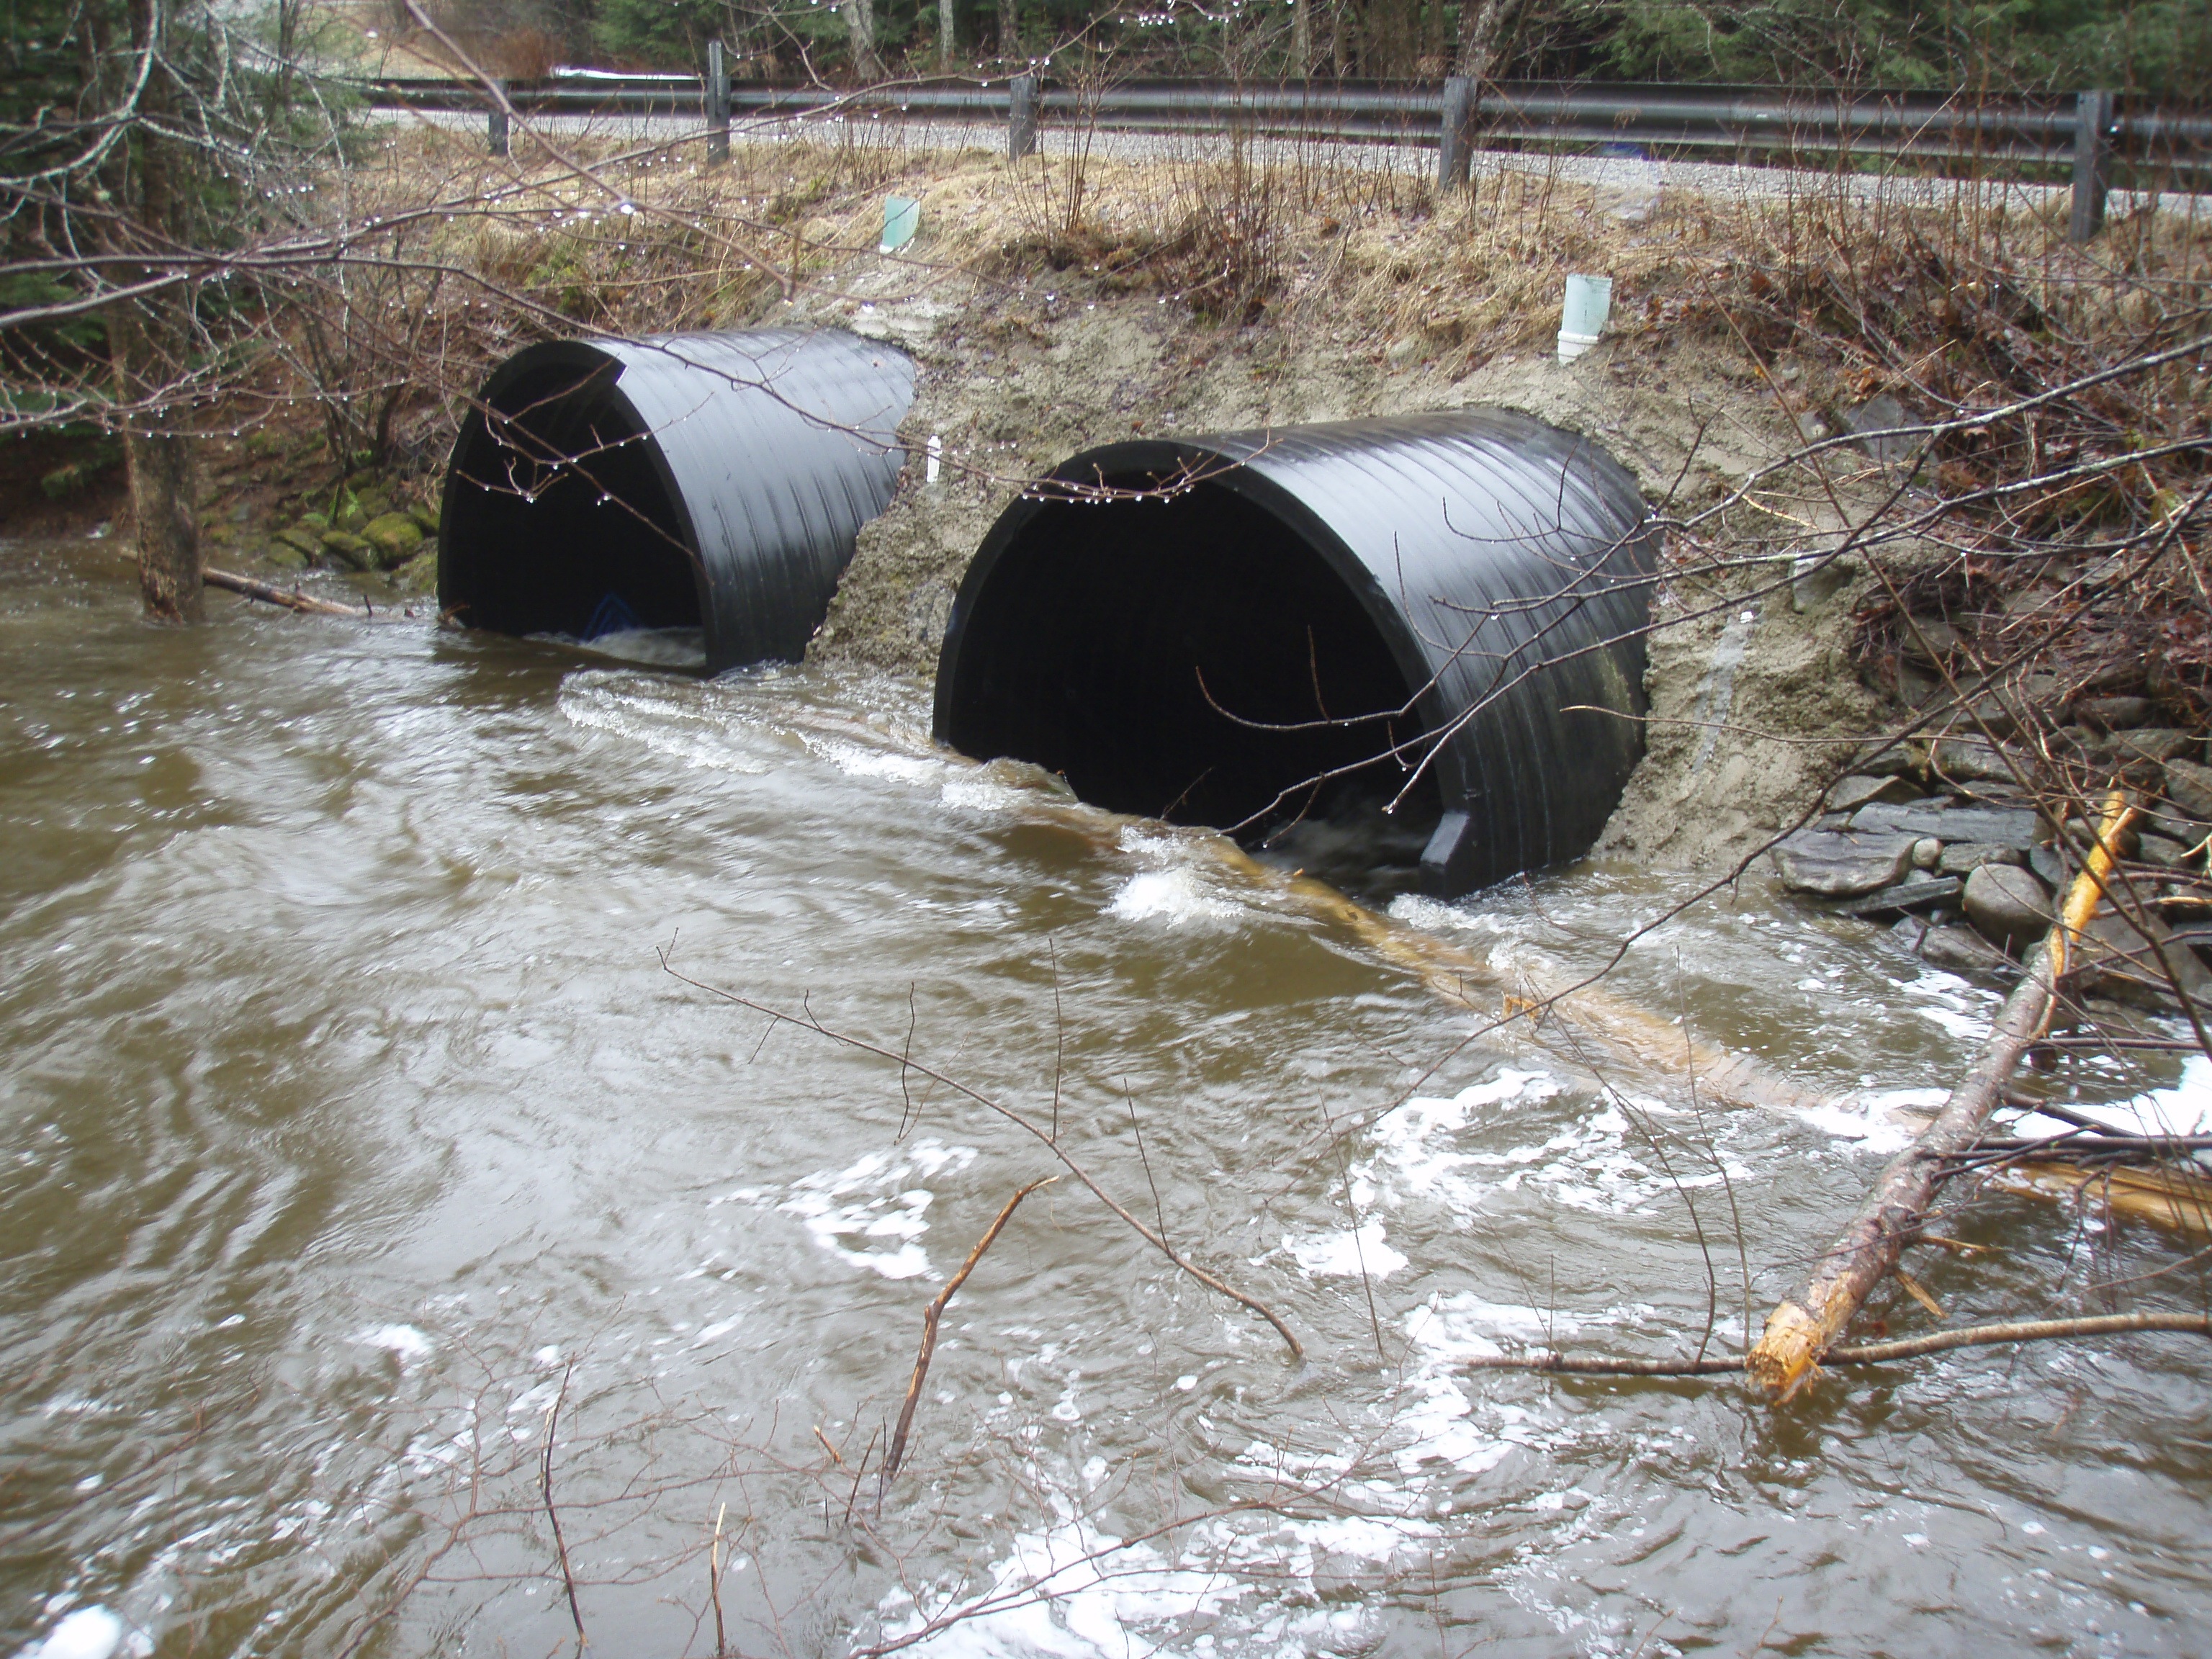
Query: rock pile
point(1954, 842)
point(369, 526)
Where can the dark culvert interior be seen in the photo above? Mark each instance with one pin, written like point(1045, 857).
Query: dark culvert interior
point(591, 548)
point(1142, 648)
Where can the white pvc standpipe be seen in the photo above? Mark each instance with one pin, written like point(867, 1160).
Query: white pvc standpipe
point(1589, 299)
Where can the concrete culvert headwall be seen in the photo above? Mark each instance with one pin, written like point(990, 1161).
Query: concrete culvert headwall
point(714, 481)
point(1395, 652)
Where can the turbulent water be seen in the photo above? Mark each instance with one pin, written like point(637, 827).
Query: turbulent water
point(360, 1136)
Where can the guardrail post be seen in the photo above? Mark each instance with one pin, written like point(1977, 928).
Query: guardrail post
point(1022, 117)
point(2092, 163)
point(1455, 140)
point(718, 104)
point(497, 124)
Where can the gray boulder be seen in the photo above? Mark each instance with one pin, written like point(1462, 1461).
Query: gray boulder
point(2120, 958)
point(2113, 713)
point(1970, 760)
point(1962, 858)
point(1952, 945)
point(1849, 794)
point(2157, 849)
point(2137, 750)
point(1916, 893)
point(1841, 864)
point(2188, 787)
point(2001, 826)
point(2007, 904)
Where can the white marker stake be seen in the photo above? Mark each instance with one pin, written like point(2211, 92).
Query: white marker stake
point(936, 460)
point(1589, 301)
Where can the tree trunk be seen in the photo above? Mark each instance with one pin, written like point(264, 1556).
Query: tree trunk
point(148, 345)
point(861, 20)
point(948, 33)
point(163, 479)
point(1301, 38)
point(1009, 31)
point(1481, 32)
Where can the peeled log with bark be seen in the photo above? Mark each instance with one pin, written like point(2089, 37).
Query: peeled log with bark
point(1808, 1322)
point(249, 588)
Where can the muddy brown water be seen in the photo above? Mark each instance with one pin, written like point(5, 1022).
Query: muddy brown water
point(351, 1122)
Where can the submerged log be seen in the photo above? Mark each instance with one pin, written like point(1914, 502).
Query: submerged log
point(2172, 1199)
point(1808, 1321)
point(290, 599)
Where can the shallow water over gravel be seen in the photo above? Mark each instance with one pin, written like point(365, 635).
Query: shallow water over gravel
point(351, 1121)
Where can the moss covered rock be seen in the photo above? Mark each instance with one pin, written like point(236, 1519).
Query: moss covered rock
point(351, 551)
point(396, 537)
point(419, 575)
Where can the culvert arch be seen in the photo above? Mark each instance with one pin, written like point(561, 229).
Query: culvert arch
point(714, 481)
point(1283, 632)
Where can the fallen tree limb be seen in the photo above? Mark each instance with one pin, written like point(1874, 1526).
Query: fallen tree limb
point(1808, 1322)
point(2018, 1330)
point(896, 1454)
point(2166, 1197)
point(290, 600)
point(1868, 1353)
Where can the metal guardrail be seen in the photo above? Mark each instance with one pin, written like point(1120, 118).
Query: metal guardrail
point(2085, 132)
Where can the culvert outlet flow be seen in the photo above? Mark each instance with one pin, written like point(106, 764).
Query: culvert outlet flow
point(1395, 653)
point(713, 481)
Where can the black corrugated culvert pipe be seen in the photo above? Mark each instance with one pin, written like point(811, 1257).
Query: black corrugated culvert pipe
point(1367, 647)
point(707, 481)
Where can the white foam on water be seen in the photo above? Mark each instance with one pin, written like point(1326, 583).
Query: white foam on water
point(1879, 1121)
point(404, 1342)
point(1346, 1254)
point(701, 737)
point(856, 761)
point(1953, 1005)
point(871, 1213)
point(1413, 1151)
point(91, 1632)
point(1074, 1590)
point(2185, 1108)
point(1176, 897)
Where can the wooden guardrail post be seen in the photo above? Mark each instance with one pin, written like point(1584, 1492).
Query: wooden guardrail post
point(1022, 117)
point(2092, 163)
point(495, 125)
point(718, 104)
point(1455, 139)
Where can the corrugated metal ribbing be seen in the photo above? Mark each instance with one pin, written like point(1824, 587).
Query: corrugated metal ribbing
point(1497, 563)
point(751, 459)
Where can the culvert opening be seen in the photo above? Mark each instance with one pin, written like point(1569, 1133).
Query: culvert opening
point(1242, 635)
point(572, 525)
point(1195, 659)
point(682, 499)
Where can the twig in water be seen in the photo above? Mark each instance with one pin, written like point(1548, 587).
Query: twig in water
point(859, 1469)
point(715, 1582)
point(897, 1453)
point(1059, 1036)
point(545, 1486)
point(810, 1023)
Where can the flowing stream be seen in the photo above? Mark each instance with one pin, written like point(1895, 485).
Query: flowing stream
point(353, 1124)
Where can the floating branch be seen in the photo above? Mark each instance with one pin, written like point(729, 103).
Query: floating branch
point(1870, 1353)
point(896, 1454)
point(291, 599)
